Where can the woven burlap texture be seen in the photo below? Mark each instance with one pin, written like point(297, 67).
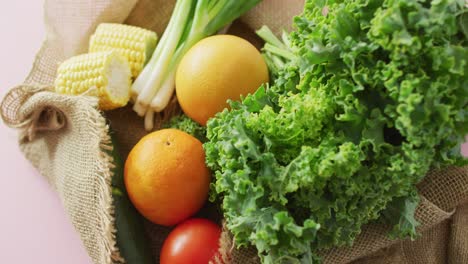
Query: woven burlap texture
point(66, 138)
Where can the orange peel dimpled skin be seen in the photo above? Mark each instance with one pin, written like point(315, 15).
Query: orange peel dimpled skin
point(216, 69)
point(166, 176)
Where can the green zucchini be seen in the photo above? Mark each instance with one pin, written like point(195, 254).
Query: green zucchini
point(132, 241)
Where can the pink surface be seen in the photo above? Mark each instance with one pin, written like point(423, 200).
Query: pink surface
point(33, 225)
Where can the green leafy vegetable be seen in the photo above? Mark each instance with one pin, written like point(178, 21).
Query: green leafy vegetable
point(400, 213)
point(276, 53)
point(186, 124)
point(375, 95)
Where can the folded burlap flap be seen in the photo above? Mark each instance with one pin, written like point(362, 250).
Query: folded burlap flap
point(66, 137)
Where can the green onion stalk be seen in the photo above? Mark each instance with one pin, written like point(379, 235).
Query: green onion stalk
point(277, 53)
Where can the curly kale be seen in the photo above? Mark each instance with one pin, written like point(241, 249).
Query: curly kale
point(375, 95)
point(186, 124)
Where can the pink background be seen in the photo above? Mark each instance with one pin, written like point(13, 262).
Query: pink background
point(33, 225)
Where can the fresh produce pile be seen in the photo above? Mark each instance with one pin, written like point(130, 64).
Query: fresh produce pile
point(191, 21)
point(330, 128)
point(374, 96)
point(165, 178)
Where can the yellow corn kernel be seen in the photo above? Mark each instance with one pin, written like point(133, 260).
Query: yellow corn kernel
point(106, 73)
point(134, 43)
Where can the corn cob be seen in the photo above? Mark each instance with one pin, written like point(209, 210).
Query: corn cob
point(107, 72)
point(134, 43)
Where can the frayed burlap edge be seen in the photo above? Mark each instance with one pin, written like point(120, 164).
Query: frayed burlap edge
point(106, 163)
point(81, 17)
point(17, 112)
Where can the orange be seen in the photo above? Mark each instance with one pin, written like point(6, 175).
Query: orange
point(166, 177)
point(214, 70)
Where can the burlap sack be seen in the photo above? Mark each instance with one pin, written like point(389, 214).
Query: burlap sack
point(66, 139)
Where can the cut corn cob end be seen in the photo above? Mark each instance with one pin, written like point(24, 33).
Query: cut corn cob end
point(134, 43)
point(103, 74)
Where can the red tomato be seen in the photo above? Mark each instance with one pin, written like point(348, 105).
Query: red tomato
point(195, 241)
